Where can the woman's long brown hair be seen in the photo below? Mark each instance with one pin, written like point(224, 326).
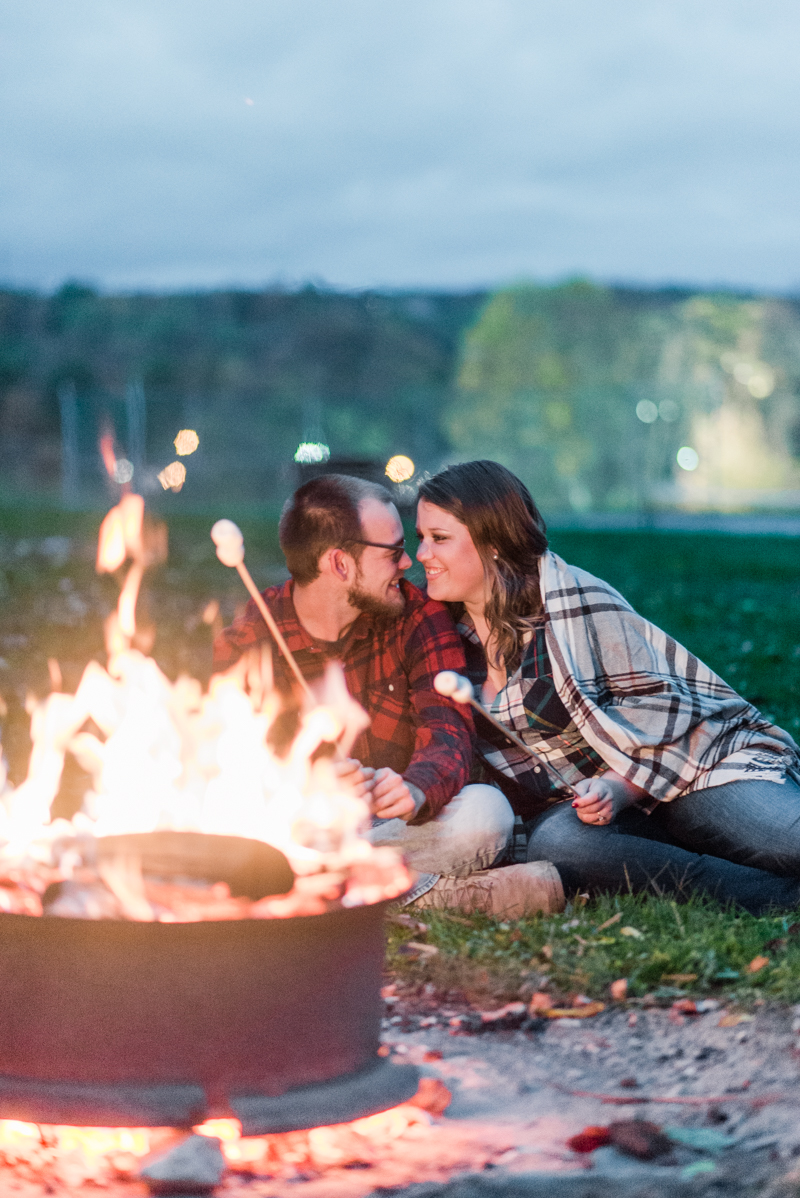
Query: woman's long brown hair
point(501, 518)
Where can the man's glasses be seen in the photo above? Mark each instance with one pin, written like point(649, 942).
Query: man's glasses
point(398, 549)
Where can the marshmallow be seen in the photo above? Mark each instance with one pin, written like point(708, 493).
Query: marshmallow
point(229, 541)
point(454, 686)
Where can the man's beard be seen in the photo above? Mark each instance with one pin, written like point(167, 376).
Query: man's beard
point(381, 611)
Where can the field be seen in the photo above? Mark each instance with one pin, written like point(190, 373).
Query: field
point(732, 600)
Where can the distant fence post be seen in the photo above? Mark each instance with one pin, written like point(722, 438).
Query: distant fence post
point(137, 428)
point(70, 469)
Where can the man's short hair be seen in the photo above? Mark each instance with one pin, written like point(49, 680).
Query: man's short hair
point(323, 514)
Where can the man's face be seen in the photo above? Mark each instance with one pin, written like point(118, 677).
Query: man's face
point(376, 589)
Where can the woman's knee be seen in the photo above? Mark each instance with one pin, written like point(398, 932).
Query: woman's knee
point(558, 835)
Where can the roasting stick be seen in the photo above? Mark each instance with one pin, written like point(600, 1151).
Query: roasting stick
point(229, 541)
point(457, 687)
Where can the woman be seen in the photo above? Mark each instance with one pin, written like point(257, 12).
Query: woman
point(681, 784)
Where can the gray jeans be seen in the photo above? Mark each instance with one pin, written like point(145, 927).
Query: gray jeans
point(467, 835)
point(739, 842)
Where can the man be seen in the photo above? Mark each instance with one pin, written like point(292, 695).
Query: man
point(347, 600)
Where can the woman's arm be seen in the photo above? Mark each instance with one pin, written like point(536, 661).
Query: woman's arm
point(603, 797)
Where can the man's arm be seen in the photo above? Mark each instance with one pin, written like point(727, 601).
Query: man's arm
point(444, 735)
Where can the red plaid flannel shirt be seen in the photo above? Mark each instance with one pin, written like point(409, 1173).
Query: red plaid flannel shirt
point(390, 672)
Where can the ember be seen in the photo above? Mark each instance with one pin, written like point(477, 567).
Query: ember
point(99, 1155)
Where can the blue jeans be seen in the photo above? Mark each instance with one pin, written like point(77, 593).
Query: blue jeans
point(739, 842)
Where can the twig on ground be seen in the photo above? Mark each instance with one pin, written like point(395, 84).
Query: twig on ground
point(755, 1100)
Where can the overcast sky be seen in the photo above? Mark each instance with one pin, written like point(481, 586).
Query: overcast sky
point(399, 143)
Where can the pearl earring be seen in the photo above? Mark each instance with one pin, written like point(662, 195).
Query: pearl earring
point(495, 556)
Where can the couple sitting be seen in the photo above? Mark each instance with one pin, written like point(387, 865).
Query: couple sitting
point(678, 784)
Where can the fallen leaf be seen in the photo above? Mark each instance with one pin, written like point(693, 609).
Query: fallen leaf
point(590, 1138)
point(679, 978)
point(702, 1139)
point(539, 1002)
point(510, 1010)
point(384, 1050)
point(757, 964)
point(432, 1096)
point(628, 1083)
point(432, 1054)
point(614, 919)
point(619, 989)
point(415, 950)
point(592, 1008)
point(407, 921)
point(546, 952)
point(634, 932)
point(639, 1138)
point(696, 1168)
point(734, 1020)
point(686, 1006)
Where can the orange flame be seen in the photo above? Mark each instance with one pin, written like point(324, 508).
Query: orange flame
point(107, 453)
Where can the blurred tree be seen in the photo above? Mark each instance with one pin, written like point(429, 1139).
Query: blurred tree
point(588, 393)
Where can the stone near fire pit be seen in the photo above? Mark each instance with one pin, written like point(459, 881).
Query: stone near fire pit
point(194, 1166)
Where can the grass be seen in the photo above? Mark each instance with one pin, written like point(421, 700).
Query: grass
point(664, 950)
point(732, 600)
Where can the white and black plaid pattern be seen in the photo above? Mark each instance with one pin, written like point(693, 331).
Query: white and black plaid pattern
point(652, 711)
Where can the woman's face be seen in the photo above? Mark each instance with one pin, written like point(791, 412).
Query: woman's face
point(453, 566)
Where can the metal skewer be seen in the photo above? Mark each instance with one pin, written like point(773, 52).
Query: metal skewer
point(457, 687)
point(229, 541)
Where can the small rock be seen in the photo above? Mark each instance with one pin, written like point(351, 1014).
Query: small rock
point(194, 1166)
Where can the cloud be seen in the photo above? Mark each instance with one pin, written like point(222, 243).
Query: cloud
point(434, 143)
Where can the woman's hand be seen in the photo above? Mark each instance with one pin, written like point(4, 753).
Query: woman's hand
point(603, 797)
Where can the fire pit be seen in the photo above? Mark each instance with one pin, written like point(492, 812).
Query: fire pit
point(126, 1024)
point(204, 940)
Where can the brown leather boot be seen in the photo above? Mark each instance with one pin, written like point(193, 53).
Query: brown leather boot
point(511, 892)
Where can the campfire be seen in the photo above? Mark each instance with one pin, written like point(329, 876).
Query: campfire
point(201, 945)
point(165, 756)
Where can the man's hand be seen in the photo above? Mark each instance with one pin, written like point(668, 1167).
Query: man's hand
point(392, 797)
point(357, 778)
point(603, 797)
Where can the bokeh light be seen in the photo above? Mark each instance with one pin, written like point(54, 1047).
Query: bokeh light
point(647, 411)
point(173, 477)
point(687, 458)
point(186, 442)
point(308, 452)
point(399, 468)
point(123, 471)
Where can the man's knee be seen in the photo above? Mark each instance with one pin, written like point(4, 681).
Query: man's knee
point(482, 807)
point(468, 834)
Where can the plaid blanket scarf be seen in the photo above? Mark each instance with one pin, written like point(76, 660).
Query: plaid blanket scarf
point(652, 711)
